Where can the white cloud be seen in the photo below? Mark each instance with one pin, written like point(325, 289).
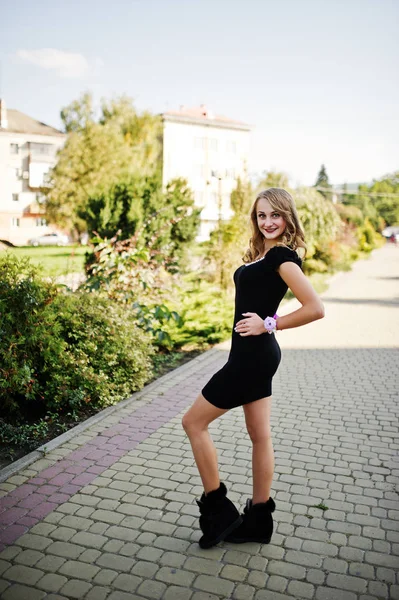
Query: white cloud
point(64, 64)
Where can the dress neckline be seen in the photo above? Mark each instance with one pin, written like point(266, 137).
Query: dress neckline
point(259, 259)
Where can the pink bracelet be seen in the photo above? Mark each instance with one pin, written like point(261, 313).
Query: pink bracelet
point(270, 323)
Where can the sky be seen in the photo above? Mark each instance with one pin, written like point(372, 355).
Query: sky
point(316, 79)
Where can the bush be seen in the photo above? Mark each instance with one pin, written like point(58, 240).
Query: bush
point(207, 314)
point(63, 352)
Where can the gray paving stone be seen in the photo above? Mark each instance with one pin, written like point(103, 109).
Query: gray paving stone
point(22, 592)
point(277, 583)
point(21, 573)
point(243, 592)
point(346, 582)
point(177, 593)
point(215, 585)
point(300, 589)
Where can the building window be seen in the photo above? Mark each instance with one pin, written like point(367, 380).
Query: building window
point(214, 145)
point(14, 148)
point(199, 143)
point(200, 171)
point(14, 221)
point(232, 147)
point(15, 197)
point(40, 222)
point(42, 149)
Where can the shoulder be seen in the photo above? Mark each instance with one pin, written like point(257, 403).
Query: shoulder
point(282, 254)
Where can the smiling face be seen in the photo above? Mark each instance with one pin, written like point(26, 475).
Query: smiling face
point(270, 222)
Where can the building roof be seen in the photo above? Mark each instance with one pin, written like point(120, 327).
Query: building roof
point(202, 115)
point(18, 122)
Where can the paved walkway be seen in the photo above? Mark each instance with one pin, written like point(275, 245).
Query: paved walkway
point(111, 513)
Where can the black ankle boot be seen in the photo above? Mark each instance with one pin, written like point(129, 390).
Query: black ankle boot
point(257, 525)
point(218, 517)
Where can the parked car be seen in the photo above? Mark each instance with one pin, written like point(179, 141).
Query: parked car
point(391, 233)
point(49, 239)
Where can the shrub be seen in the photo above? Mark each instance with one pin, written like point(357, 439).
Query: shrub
point(207, 313)
point(63, 352)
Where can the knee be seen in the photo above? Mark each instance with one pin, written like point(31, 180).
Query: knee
point(189, 425)
point(259, 434)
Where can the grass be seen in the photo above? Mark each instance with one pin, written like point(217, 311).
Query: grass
point(55, 260)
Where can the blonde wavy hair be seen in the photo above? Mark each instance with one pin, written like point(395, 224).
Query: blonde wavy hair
point(293, 236)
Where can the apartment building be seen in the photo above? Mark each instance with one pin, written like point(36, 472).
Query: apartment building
point(211, 152)
point(28, 149)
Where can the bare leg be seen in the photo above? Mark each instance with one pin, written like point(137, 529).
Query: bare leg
point(257, 417)
point(195, 423)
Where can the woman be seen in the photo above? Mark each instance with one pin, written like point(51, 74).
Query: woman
point(271, 266)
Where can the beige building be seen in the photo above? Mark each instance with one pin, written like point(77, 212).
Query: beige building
point(211, 152)
point(28, 149)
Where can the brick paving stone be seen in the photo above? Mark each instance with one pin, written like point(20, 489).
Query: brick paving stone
point(177, 593)
point(202, 565)
point(277, 583)
point(75, 588)
point(51, 582)
point(243, 592)
point(97, 593)
point(216, 585)
point(22, 592)
point(27, 557)
point(325, 593)
point(126, 582)
point(20, 573)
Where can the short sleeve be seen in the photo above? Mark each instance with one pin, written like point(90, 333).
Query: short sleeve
point(282, 254)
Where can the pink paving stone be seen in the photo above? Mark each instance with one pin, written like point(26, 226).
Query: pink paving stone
point(43, 510)
point(75, 469)
point(7, 501)
point(61, 479)
point(23, 490)
point(12, 533)
point(53, 471)
point(107, 461)
point(32, 501)
point(9, 516)
point(97, 454)
point(59, 498)
point(120, 439)
point(37, 480)
point(70, 489)
point(79, 454)
point(47, 489)
point(97, 469)
point(83, 479)
point(28, 521)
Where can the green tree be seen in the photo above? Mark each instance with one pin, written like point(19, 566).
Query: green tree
point(387, 206)
point(228, 242)
point(165, 221)
point(322, 182)
point(98, 155)
point(273, 179)
point(141, 131)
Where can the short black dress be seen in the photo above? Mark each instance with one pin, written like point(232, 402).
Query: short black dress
point(254, 359)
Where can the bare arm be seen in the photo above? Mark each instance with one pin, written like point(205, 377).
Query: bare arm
point(312, 307)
